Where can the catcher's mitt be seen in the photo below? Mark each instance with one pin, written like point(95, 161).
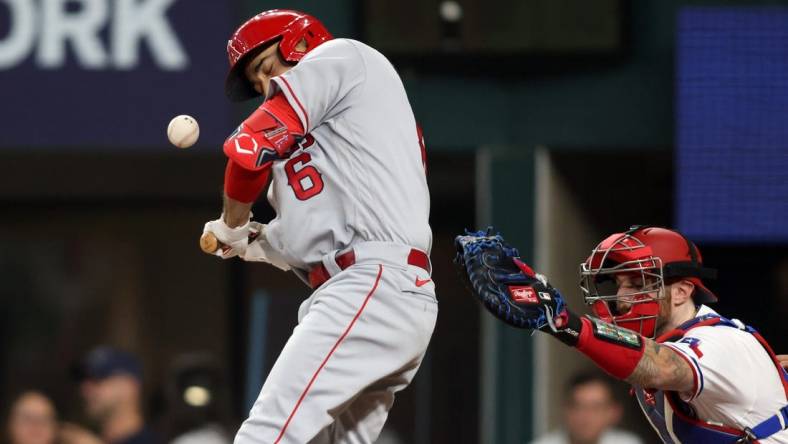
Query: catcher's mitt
point(507, 287)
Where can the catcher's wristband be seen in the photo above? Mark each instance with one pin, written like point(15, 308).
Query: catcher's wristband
point(614, 349)
point(569, 329)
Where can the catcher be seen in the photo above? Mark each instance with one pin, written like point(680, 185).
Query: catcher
point(698, 376)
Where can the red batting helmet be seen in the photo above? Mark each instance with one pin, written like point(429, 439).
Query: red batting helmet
point(652, 255)
point(285, 25)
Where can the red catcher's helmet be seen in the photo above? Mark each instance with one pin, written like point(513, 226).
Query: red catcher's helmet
point(652, 255)
point(285, 25)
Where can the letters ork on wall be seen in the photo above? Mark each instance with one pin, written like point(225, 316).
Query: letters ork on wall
point(97, 74)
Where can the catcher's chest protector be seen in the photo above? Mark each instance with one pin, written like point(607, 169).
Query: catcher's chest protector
point(675, 420)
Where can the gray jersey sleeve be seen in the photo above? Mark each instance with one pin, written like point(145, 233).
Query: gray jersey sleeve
point(320, 86)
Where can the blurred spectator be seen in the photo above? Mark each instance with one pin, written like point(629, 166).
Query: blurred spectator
point(32, 419)
point(111, 387)
point(196, 396)
point(591, 411)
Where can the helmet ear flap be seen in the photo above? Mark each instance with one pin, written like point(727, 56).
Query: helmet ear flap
point(286, 26)
point(312, 34)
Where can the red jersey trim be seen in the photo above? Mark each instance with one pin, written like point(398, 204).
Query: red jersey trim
point(336, 345)
point(780, 369)
point(298, 102)
point(696, 386)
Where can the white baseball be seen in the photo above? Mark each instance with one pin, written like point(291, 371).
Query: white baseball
point(183, 131)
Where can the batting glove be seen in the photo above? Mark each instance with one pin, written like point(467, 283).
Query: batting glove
point(260, 250)
point(234, 241)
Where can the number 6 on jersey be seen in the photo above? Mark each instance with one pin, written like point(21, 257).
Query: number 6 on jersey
point(305, 180)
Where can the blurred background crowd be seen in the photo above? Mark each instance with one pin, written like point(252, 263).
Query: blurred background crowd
point(108, 385)
point(558, 122)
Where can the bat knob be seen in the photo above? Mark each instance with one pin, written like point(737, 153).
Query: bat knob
point(208, 243)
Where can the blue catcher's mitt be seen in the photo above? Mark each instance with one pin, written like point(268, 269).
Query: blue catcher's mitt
point(507, 287)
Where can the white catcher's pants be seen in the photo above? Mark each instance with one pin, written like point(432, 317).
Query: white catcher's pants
point(360, 338)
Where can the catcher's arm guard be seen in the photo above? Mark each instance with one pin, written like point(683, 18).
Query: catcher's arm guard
point(510, 289)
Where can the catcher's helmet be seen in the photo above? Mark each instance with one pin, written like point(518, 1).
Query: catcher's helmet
point(652, 255)
point(286, 26)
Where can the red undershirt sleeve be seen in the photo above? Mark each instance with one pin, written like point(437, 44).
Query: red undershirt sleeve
point(244, 185)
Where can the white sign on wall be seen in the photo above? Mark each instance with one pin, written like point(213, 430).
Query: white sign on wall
point(102, 34)
point(110, 74)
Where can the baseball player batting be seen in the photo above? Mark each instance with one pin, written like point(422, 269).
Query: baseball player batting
point(336, 138)
point(699, 377)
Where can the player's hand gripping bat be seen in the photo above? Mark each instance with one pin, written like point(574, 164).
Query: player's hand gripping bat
point(210, 244)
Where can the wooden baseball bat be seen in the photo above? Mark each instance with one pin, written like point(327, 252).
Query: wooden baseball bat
point(209, 243)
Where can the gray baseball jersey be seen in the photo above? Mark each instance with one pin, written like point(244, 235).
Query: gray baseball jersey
point(359, 174)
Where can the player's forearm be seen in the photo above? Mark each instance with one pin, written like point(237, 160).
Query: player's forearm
point(626, 354)
point(241, 189)
point(236, 213)
point(662, 368)
point(244, 185)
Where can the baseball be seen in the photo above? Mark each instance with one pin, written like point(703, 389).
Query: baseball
point(183, 131)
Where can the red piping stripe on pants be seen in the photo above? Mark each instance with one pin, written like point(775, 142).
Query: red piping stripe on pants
point(336, 345)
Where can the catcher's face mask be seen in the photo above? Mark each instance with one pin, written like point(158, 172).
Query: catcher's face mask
point(623, 283)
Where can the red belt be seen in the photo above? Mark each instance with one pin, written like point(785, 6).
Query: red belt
point(319, 274)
